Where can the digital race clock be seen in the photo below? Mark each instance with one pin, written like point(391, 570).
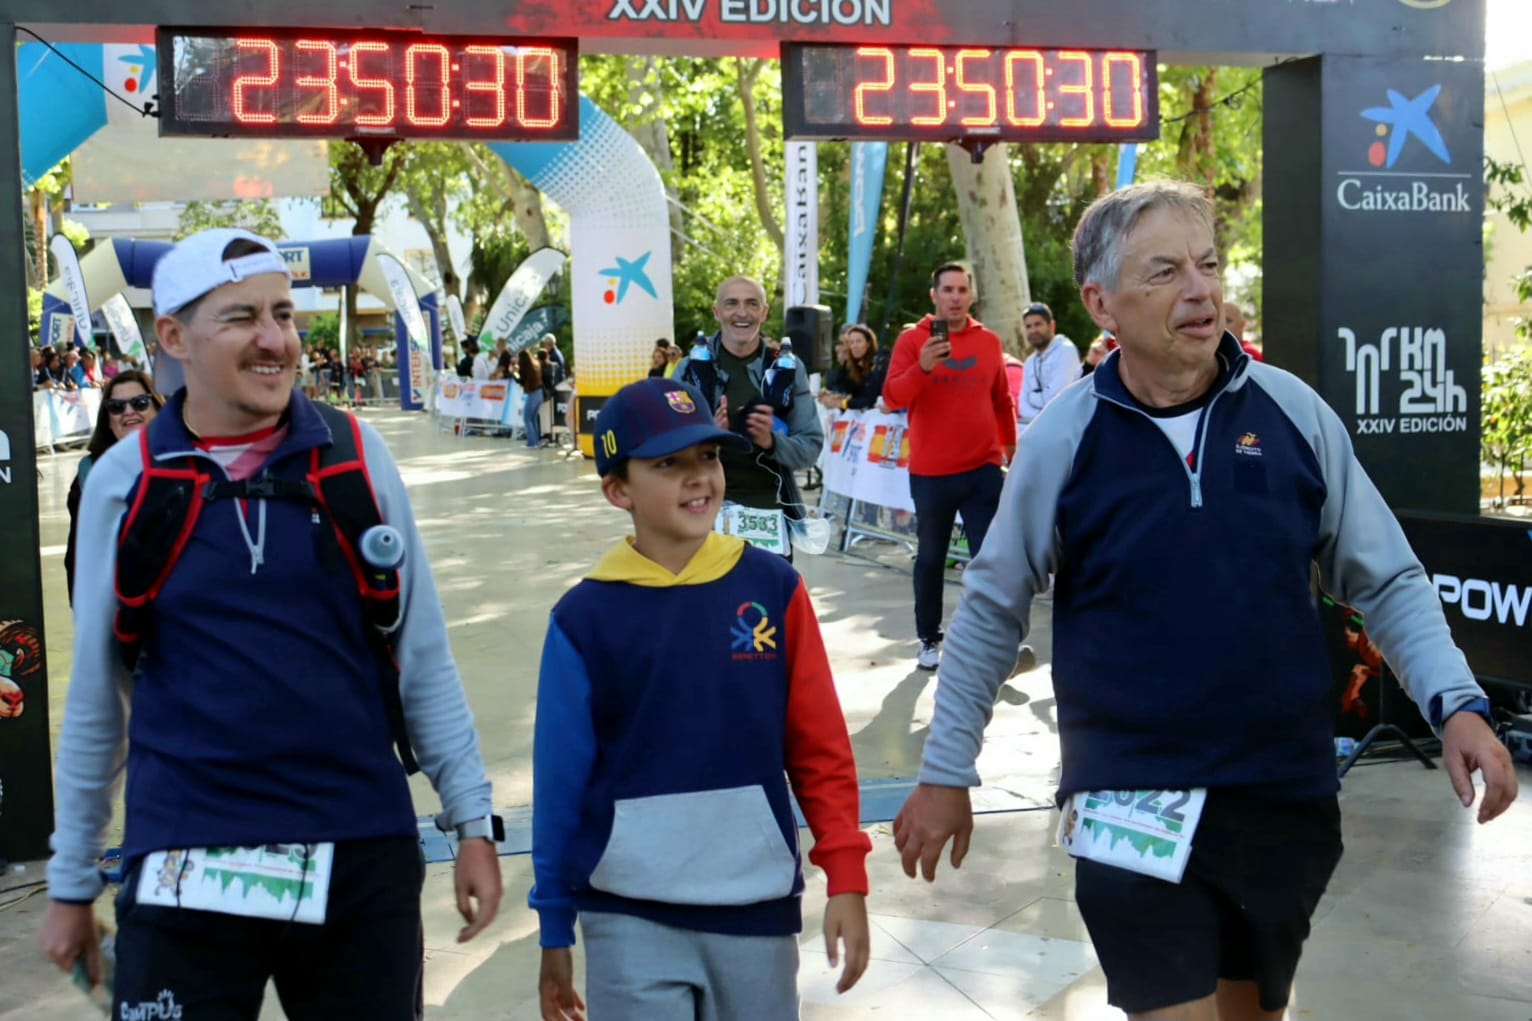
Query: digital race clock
point(366, 84)
point(986, 93)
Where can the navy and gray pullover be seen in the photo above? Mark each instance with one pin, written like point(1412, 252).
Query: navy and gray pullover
point(1187, 649)
point(257, 713)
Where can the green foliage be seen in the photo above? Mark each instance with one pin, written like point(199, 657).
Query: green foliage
point(1506, 436)
point(358, 187)
point(258, 217)
point(1211, 136)
point(1506, 192)
point(323, 330)
point(34, 312)
point(494, 258)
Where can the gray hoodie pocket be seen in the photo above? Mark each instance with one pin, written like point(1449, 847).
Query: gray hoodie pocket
point(716, 847)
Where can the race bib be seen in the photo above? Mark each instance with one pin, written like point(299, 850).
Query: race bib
point(288, 882)
point(764, 528)
point(1142, 831)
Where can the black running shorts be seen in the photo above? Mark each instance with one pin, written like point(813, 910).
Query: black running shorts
point(1241, 912)
point(365, 961)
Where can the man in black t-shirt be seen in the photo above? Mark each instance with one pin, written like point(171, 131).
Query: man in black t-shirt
point(784, 433)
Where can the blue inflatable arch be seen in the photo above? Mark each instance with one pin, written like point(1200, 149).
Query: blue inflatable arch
point(337, 262)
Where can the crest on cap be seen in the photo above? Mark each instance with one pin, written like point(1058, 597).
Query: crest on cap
point(680, 401)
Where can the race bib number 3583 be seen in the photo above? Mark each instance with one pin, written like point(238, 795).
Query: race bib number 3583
point(1149, 832)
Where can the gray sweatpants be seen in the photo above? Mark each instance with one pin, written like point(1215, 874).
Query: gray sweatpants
point(638, 970)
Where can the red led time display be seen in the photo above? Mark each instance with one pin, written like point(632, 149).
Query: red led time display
point(361, 84)
point(937, 93)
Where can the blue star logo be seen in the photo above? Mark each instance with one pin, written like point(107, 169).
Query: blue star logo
point(1401, 119)
point(139, 80)
point(627, 273)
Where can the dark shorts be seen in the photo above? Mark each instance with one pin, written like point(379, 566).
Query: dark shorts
point(365, 961)
point(1241, 912)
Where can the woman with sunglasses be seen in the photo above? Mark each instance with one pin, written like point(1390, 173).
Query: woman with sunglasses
point(128, 404)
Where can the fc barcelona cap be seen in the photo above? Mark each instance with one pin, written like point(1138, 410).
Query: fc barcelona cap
point(653, 418)
point(195, 266)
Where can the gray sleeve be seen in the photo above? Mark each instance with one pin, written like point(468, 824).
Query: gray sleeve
point(805, 436)
point(1366, 562)
point(992, 617)
point(436, 711)
point(92, 746)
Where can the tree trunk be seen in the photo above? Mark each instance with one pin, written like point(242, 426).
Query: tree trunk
point(986, 196)
point(1194, 148)
point(746, 72)
point(652, 135)
point(527, 211)
point(434, 220)
point(523, 200)
point(1101, 177)
point(37, 269)
point(353, 330)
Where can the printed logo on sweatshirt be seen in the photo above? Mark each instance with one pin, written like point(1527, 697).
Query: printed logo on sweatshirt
point(1249, 445)
point(959, 375)
point(752, 634)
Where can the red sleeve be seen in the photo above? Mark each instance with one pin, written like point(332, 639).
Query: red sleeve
point(819, 760)
point(1005, 407)
point(905, 377)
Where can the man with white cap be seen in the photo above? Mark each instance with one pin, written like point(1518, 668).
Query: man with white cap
point(269, 829)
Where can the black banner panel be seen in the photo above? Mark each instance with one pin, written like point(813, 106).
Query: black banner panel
point(1401, 255)
point(1482, 570)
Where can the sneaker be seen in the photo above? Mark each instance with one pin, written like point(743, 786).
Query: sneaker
point(930, 655)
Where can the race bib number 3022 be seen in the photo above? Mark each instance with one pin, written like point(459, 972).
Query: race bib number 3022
point(288, 882)
point(1149, 832)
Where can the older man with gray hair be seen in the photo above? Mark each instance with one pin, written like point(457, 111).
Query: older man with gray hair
point(1184, 496)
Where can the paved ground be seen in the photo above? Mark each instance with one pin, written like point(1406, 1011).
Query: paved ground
point(1428, 917)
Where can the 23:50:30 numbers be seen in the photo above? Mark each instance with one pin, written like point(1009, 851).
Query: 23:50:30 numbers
point(980, 77)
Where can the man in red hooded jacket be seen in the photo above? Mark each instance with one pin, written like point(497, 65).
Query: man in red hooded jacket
point(949, 372)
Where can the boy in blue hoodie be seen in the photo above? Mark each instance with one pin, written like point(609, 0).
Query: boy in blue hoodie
point(684, 684)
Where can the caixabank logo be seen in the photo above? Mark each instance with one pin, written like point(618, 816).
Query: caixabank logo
point(1410, 168)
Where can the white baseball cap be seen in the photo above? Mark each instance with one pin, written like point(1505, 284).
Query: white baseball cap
point(196, 266)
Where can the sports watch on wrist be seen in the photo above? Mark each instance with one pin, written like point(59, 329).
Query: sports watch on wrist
point(1479, 706)
point(489, 827)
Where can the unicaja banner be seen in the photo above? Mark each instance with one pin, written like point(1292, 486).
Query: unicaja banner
point(124, 326)
point(801, 285)
point(869, 160)
point(74, 283)
point(518, 294)
point(415, 345)
point(538, 322)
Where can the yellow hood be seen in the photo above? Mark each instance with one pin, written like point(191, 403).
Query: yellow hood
point(716, 558)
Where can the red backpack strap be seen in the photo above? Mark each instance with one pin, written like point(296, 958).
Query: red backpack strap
point(153, 534)
point(343, 489)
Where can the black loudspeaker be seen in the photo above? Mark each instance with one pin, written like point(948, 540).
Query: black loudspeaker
point(812, 334)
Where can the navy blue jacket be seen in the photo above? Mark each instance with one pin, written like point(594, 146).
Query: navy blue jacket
point(1187, 646)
